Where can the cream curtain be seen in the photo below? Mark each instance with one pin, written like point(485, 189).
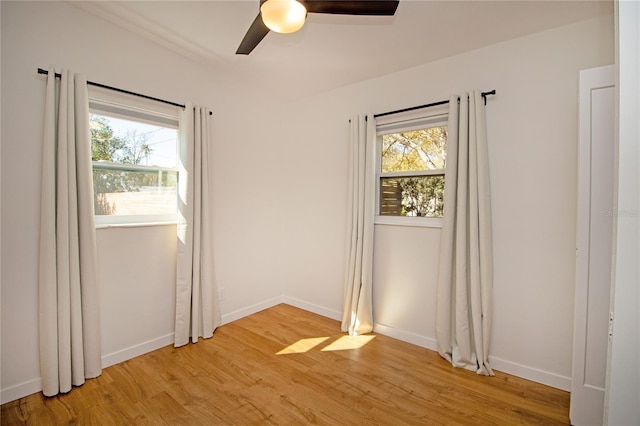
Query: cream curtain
point(357, 316)
point(465, 281)
point(69, 316)
point(197, 306)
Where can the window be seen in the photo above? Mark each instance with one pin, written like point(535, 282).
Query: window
point(410, 171)
point(135, 170)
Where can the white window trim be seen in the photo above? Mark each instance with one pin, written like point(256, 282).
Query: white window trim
point(118, 105)
point(107, 165)
point(122, 105)
point(413, 221)
point(405, 122)
point(124, 221)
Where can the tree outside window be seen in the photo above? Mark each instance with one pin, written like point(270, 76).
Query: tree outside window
point(412, 172)
point(133, 167)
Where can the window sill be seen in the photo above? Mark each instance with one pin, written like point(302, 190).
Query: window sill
point(133, 225)
point(417, 222)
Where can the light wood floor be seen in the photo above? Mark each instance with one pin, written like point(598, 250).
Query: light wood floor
point(239, 377)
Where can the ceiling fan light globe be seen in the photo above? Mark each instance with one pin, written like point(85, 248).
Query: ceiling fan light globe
point(283, 16)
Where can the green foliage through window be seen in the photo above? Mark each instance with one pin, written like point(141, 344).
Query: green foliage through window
point(423, 149)
point(123, 181)
point(412, 173)
point(412, 196)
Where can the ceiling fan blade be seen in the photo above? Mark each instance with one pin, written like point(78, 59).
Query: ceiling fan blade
point(256, 32)
point(337, 7)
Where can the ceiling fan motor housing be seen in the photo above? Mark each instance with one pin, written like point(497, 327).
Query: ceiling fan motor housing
point(259, 28)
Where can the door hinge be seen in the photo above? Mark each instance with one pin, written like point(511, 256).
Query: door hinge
point(610, 324)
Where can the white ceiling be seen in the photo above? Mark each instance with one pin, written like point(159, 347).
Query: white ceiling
point(331, 51)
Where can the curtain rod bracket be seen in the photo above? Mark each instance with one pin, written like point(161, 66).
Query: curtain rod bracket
point(485, 94)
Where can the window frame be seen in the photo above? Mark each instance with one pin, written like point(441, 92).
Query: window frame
point(122, 106)
point(401, 122)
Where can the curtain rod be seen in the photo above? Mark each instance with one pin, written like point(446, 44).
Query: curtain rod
point(115, 89)
point(382, 114)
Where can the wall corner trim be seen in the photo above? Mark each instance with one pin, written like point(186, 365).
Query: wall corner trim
point(311, 307)
point(249, 310)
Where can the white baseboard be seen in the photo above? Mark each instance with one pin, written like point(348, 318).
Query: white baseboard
point(33, 386)
point(406, 336)
point(137, 350)
point(21, 390)
point(311, 307)
point(529, 373)
point(249, 310)
point(540, 376)
point(525, 372)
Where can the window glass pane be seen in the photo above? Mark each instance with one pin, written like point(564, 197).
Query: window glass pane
point(125, 192)
point(129, 142)
point(412, 196)
point(134, 167)
point(423, 149)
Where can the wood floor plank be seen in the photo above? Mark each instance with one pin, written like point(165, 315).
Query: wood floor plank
point(286, 366)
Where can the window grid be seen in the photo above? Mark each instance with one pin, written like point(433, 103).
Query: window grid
point(390, 193)
point(128, 192)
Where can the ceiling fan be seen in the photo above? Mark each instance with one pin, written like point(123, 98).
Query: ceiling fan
point(287, 16)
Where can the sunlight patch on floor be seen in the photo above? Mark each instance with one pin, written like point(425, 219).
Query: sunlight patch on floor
point(341, 344)
point(349, 342)
point(302, 345)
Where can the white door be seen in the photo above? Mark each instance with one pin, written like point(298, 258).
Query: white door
point(594, 244)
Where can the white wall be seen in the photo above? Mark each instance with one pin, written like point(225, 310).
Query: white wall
point(280, 190)
point(532, 130)
point(137, 265)
point(623, 387)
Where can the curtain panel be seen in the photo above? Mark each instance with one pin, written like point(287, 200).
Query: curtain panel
point(357, 315)
point(197, 307)
point(465, 280)
point(69, 318)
